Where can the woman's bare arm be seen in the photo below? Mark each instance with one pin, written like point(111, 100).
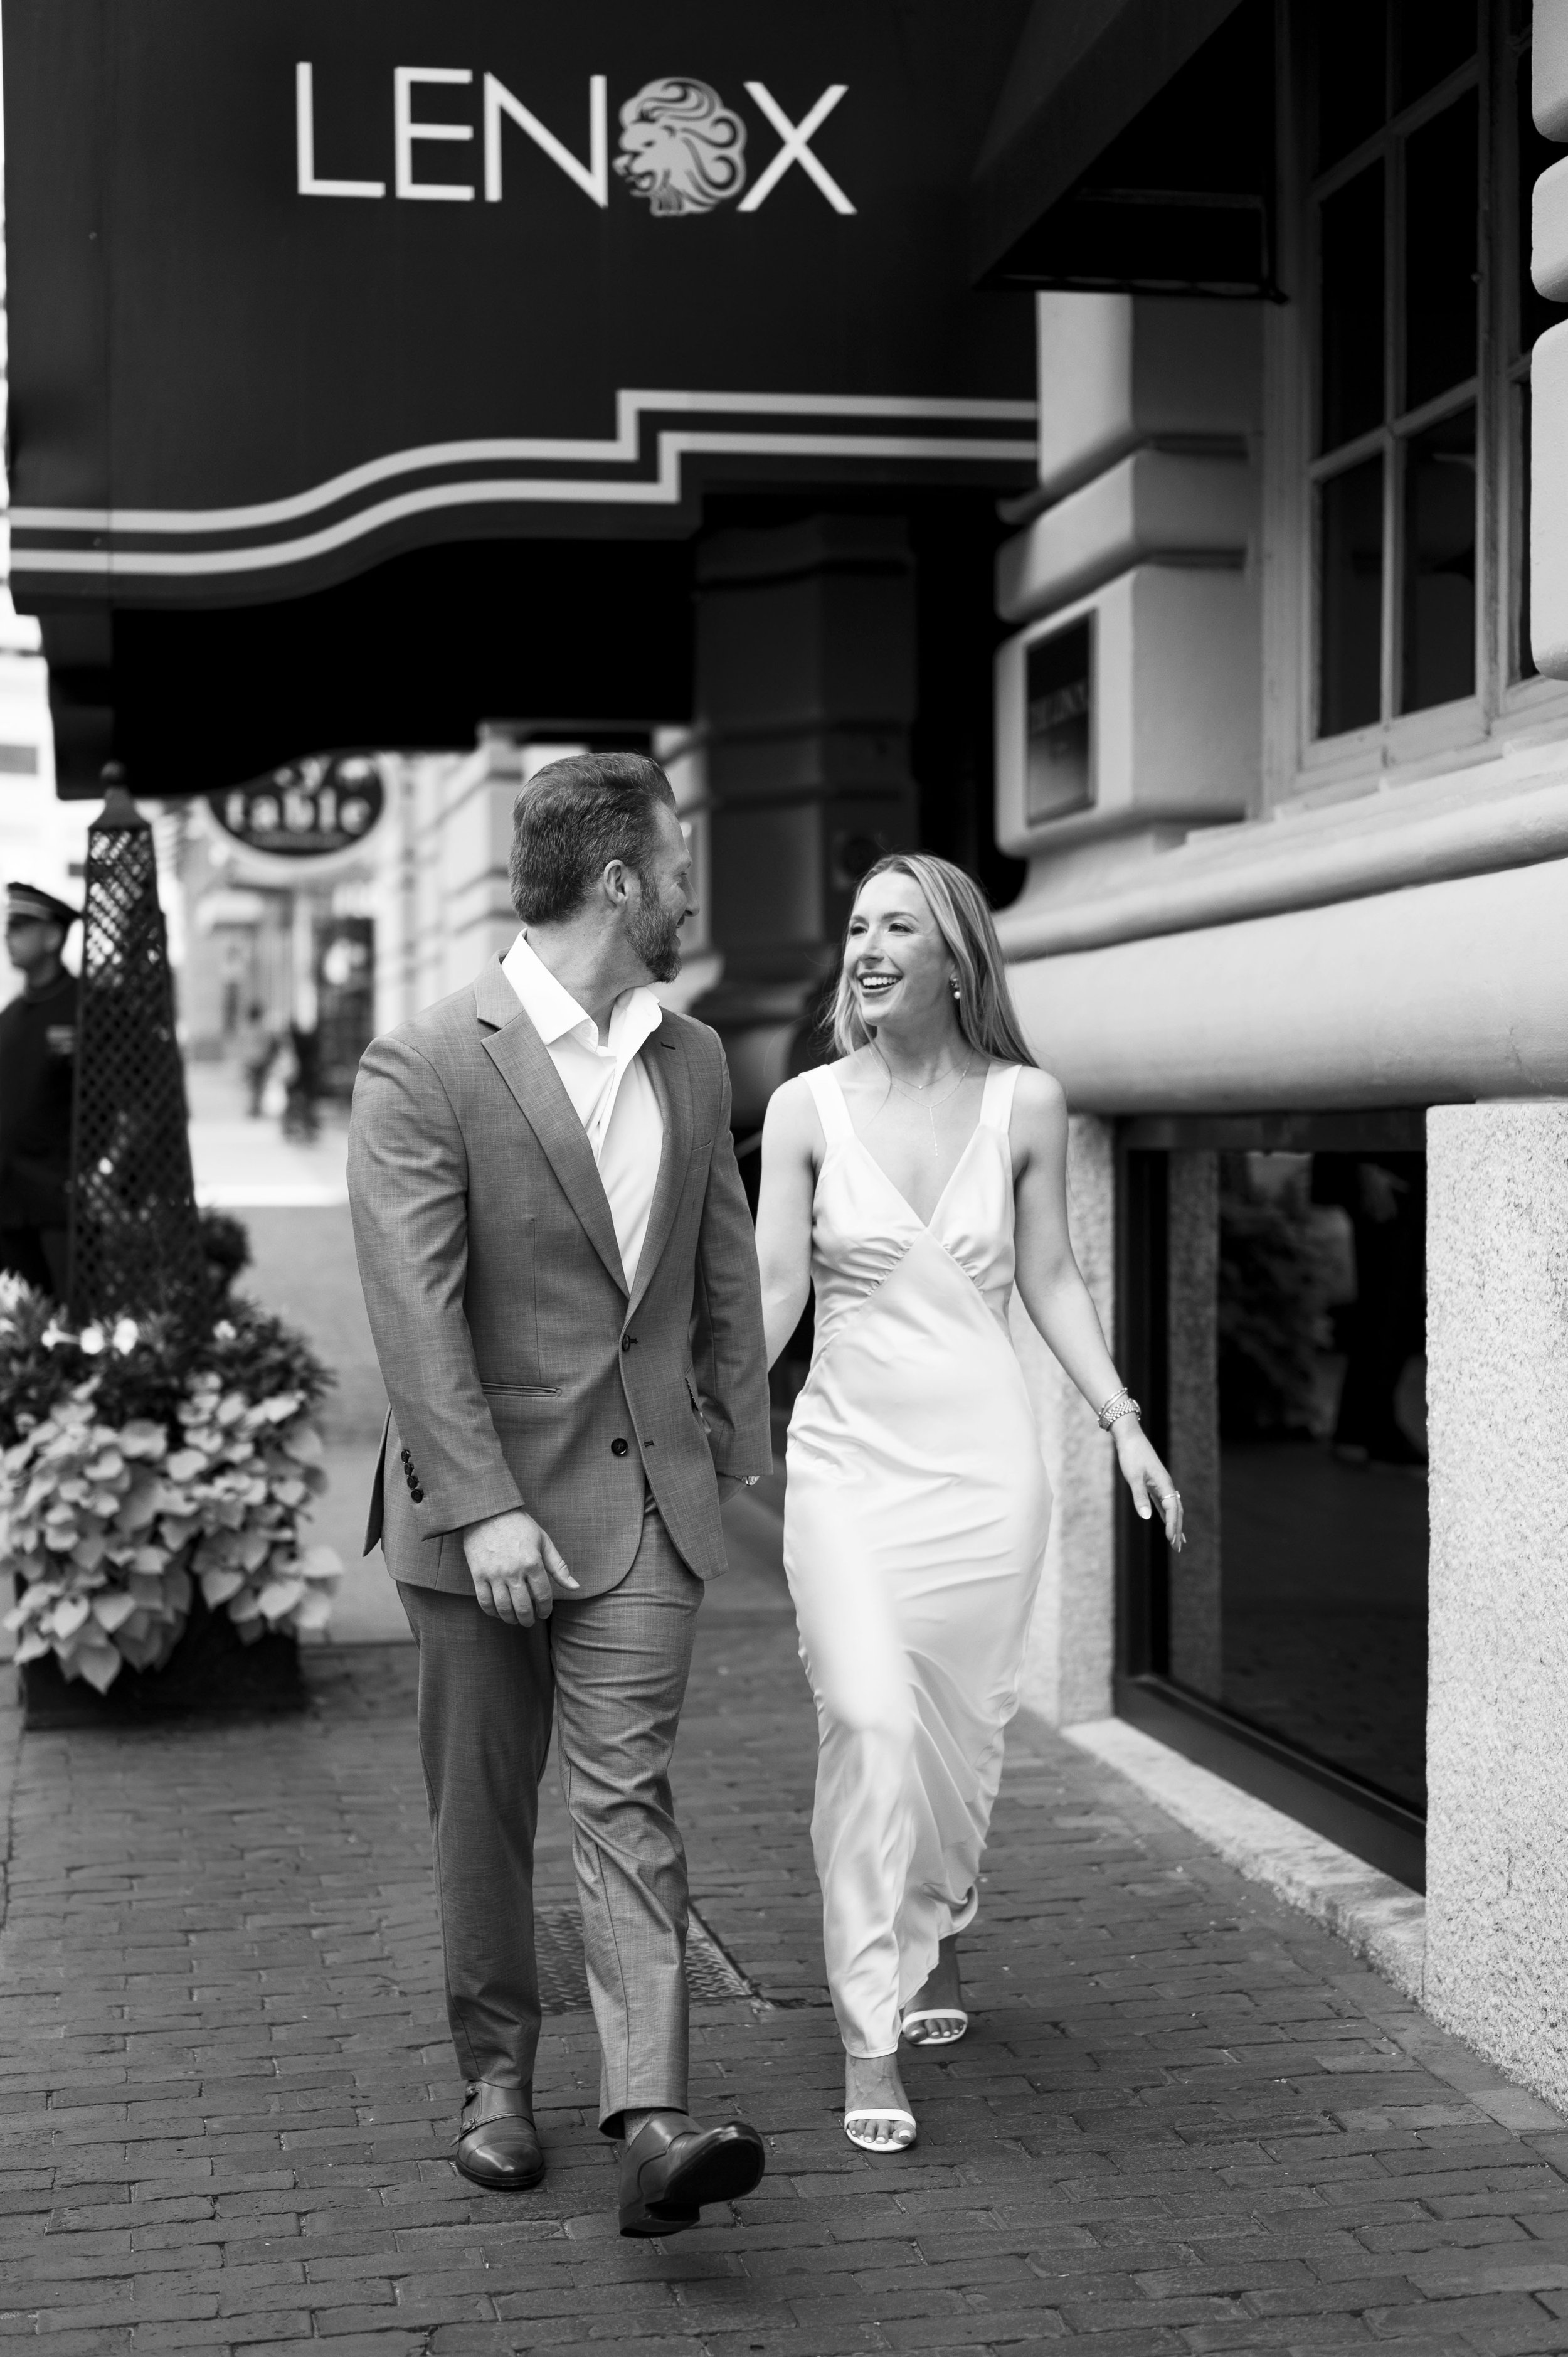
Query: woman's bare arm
point(1049, 1280)
point(1054, 1293)
point(791, 1147)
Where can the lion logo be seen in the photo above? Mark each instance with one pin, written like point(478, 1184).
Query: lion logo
point(680, 147)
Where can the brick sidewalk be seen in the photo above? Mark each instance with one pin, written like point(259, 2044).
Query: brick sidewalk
point(1185, 2121)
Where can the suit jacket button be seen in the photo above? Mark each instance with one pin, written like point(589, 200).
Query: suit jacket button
point(418, 1496)
point(617, 1449)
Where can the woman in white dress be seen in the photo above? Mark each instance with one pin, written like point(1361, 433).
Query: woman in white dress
point(912, 1184)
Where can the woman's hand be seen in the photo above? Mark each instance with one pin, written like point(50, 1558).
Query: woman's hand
point(1152, 1487)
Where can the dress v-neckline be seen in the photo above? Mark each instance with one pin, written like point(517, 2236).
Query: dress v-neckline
point(894, 1189)
point(891, 1183)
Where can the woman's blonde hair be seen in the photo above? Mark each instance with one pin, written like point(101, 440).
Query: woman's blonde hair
point(985, 1009)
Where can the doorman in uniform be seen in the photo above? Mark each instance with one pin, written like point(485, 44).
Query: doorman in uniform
point(38, 1054)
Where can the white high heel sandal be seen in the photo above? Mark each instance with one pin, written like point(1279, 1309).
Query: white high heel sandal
point(936, 2013)
point(867, 2144)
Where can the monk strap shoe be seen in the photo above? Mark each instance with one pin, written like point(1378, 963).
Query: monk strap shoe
point(672, 2168)
point(498, 2144)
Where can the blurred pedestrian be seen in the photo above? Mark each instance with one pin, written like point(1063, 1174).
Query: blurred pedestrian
point(257, 1047)
point(38, 1063)
point(300, 1120)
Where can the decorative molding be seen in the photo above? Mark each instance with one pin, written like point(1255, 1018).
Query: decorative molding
point(1382, 842)
point(1433, 994)
point(642, 465)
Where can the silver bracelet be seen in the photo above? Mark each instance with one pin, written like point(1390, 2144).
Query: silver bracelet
point(1118, 1405)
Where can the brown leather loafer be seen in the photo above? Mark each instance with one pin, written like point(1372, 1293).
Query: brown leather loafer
point(672, 2168)
point(498, 2144)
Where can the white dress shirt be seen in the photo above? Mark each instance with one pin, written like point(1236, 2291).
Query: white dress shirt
point(608, 1085)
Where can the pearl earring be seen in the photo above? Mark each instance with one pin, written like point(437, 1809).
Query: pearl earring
point(957, 990)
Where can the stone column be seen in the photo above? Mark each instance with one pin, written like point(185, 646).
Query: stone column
point(805, 693)
point(1497, 1956)
point(1068, 1663)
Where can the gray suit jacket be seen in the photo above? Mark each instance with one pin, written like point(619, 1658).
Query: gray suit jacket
point(518, 1370)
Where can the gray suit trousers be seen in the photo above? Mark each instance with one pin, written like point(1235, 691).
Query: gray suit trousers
point(612, 1668)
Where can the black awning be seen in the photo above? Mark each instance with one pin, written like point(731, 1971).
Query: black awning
point(416, 652)
point(1134, 150)
point(247, 360)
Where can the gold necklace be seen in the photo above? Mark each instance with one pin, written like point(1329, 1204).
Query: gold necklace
point(916, 1090)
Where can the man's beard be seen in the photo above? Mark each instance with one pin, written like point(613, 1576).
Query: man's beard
point(656, 936)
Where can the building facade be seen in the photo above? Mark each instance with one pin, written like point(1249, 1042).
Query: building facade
point(1294, 796)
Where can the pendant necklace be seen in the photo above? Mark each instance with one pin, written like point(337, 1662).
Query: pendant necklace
point(916, 1089)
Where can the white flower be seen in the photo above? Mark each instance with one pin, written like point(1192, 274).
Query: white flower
point(54, 1334)
point(225, 1331)
point(91, 1338)
point(125, 1336)
point(12, 1293)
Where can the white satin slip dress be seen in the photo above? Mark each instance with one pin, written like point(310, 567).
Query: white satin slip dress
point(915, 1521)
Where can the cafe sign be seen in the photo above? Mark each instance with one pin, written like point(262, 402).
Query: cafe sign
point(310, 810)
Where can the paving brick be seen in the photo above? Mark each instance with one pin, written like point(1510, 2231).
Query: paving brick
point(1184, 2122)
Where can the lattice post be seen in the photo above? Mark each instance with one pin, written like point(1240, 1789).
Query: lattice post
point(136, 1242)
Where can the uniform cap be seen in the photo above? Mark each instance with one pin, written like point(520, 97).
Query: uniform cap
point(26, 900)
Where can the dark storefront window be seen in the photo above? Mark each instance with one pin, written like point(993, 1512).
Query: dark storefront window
point(1439, 634)
point(1274, 1316)
point(1395, 211)
point(1350, 560)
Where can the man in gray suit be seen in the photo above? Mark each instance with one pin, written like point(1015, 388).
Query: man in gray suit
point(559, 1267)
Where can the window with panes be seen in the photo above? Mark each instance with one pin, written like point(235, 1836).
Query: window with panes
point(1396, 206)
point(1530, 314)
point(1420, 156)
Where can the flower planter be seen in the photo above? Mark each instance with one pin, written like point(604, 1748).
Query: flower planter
point(152, 1483)
point(211, 1674)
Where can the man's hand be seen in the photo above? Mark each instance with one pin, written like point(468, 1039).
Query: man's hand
point(515, 1566)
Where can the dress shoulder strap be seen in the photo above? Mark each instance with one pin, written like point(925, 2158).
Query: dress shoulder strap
point(828, 1099)
point(996, 1103)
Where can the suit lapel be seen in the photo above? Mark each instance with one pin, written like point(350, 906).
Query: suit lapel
point(520, 1056)
point(666, 1066)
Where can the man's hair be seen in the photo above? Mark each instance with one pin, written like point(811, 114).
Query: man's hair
point(571, 819)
